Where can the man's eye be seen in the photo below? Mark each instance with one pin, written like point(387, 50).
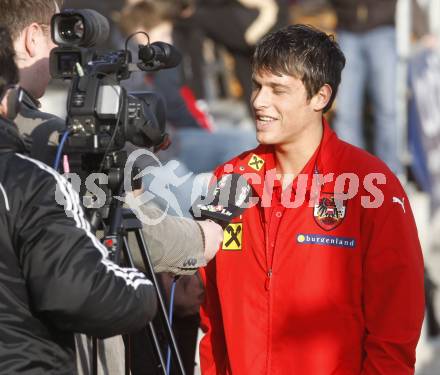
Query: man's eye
point(279, 92)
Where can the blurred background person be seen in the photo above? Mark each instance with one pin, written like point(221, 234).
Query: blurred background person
point(367, 35)
point(236, 25)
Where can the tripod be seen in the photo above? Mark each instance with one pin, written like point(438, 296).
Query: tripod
point(119, 222)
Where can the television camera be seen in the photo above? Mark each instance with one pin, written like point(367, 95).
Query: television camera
point(102, 116)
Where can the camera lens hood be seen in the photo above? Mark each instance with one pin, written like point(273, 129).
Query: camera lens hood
point(79, 28)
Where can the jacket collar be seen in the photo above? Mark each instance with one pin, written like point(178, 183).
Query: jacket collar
point(261, 162)
point(10, 138)
point(29, 101)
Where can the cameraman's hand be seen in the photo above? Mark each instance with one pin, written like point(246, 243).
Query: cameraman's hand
point(213, 234)
point(137, 192)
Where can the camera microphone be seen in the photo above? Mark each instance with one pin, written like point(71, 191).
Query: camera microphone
point(158, 55)
point(225, 200)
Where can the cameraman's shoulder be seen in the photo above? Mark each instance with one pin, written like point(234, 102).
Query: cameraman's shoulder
point(28, 183)
point(32, 173)
point(40, 129)
point(31, 119)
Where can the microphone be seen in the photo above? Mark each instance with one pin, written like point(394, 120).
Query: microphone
point(158, 55)
point(225, 200)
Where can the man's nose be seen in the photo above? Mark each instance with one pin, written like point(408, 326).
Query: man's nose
point(260, 99)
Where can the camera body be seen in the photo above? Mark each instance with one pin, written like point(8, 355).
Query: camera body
point(101, 115)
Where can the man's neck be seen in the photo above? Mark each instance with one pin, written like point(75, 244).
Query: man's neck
point(292, 157)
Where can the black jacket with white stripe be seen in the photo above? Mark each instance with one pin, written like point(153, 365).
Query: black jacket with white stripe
point(55, 278)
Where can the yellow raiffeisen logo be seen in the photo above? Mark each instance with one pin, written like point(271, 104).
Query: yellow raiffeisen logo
point(256, 162)
point(232, 237)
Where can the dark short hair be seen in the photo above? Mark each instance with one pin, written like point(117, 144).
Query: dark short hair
point(8, 68)
point(305, 53)
point(18, 14)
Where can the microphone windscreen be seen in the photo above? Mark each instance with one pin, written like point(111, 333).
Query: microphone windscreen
point(225, 200)
point(170, 56)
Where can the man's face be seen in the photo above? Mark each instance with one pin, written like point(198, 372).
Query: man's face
point(281, 108)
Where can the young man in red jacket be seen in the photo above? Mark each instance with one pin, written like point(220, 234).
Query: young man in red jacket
point(323, 274)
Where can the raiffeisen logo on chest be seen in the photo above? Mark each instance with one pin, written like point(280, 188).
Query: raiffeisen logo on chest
point(327, 214)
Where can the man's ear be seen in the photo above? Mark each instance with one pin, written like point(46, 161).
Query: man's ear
point(321, 98)
point(31, 35)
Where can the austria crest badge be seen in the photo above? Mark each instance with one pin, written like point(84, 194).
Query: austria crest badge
point(327, 213)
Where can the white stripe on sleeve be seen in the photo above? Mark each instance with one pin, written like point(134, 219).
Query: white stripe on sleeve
point(131, 276)
point(5, 196)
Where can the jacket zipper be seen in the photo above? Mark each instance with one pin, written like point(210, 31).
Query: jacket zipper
point(268, 279)
point(268, 283)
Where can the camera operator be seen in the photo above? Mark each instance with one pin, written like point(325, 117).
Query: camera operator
point(174, 240)
point(56, 277)
point(29, 24)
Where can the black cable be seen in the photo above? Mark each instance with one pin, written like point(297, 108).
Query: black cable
point(119, 95)
point(132, 35)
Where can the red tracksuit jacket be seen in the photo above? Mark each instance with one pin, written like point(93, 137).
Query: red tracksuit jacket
point(321, 289)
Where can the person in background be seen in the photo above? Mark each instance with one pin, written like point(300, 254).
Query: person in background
point(367, 35)
point(236, 25)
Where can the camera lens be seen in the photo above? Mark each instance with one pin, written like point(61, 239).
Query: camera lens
point(79, 28)
point(71, 29)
